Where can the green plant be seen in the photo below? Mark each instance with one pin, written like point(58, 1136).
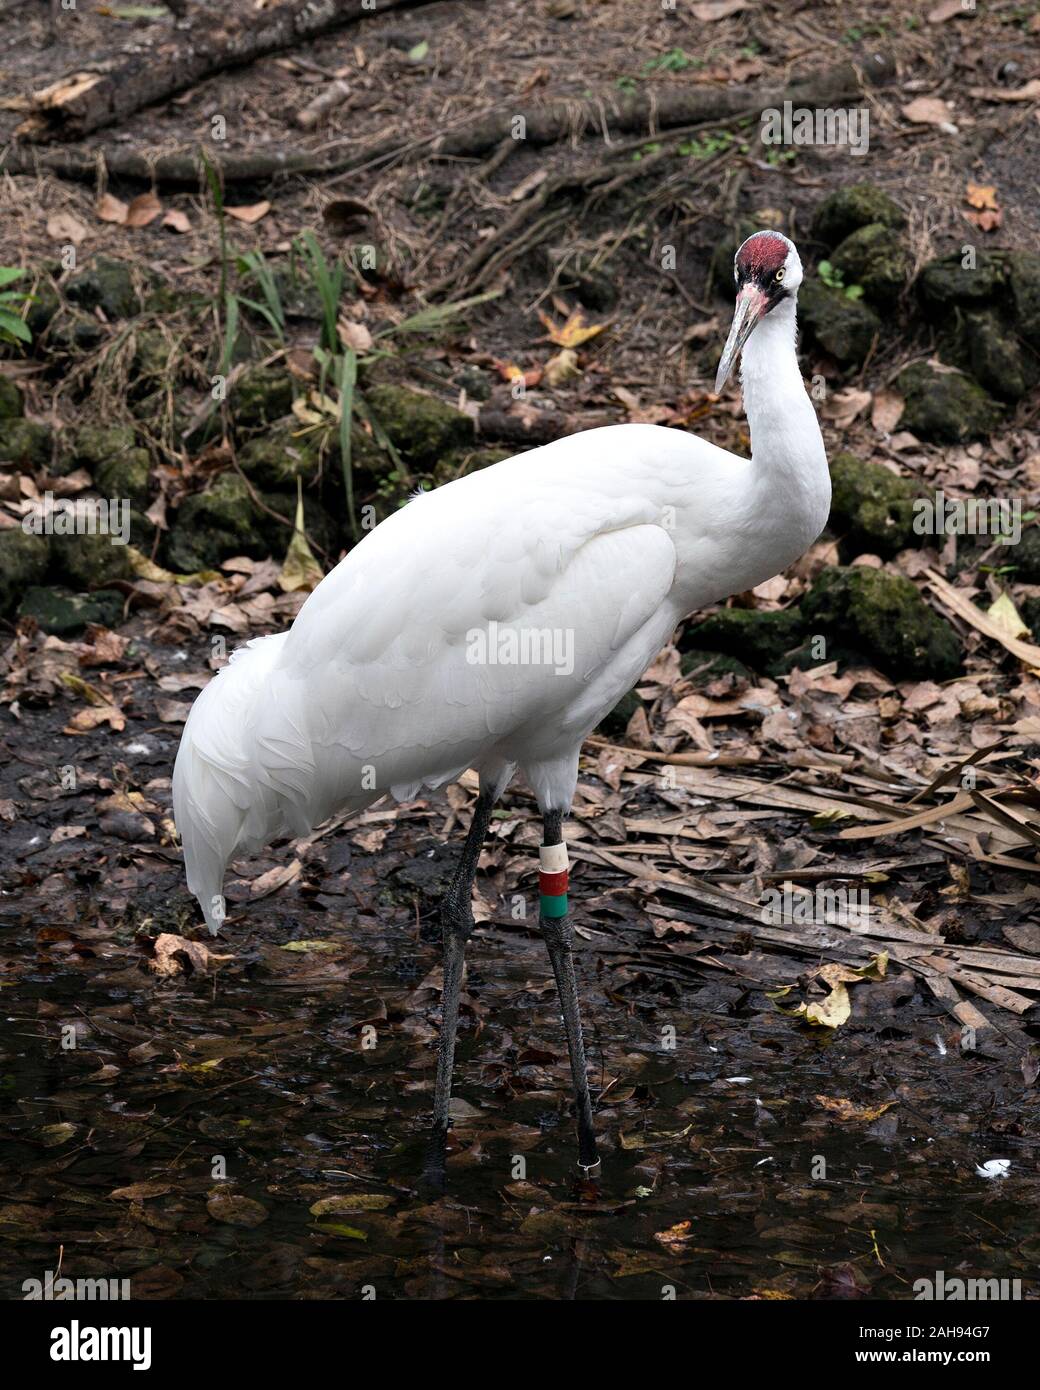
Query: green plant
point(675, 60)
point(832, 276)
point(13, 328)
point(254, 264)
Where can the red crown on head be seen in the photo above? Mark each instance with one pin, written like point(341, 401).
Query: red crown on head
point(765, 251)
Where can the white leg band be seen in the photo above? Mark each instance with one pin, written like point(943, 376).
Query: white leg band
point(552, 859)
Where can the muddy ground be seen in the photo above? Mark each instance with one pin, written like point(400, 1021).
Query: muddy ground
point(243, 1117)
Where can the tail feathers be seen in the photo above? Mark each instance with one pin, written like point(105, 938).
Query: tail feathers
point(222, 801)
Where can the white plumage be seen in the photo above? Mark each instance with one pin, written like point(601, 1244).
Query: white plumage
point(613, 536)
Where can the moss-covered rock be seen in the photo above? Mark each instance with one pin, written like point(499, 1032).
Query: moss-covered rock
point(947, 284)
point(23, 562)
point(105, 284)
point(703, 667)
point(871, 508)
point(71, 333)
point(213, 525)
point(841, 326)
point(11, 404)
point(119, 467)
point(876, 258)
point(259, 396)
point(757, 637)
point(25, 443)
point(151, 356)
point(847, 209)
point(945, 407)
point(276, 458)
point(986, 345)
point(61, 612)
point(883, 616)
point(422, 428)
point(87, 561)
point(1023, 273)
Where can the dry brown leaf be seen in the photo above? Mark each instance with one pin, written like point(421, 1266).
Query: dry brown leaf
point(843, 1109)
point(572, 333)
point(167, 949)
point(64, 227)
point(1030, 92)
point(887, 411)
point(947, 9)
point(981, 195)
point(145, 208)
point(111, 209)
point(250, 214)
point(708, 11)
point(927, 111)
point(177, 221)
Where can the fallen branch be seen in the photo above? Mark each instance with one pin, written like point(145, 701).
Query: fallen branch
point(83, 102)
point(647, 112)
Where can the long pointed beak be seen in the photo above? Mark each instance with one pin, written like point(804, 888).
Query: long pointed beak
point(751, 307)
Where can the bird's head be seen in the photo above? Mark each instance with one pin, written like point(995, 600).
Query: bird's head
point(768, 271)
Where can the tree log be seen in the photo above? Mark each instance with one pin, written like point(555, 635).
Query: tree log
point(646, 112)
point(86, 101)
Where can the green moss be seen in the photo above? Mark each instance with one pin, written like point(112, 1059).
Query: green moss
point(276, 458)
point(60, 612)
point(107, 285)
point(25, 442)
point(11, 404)
point(86, 561)
point(261, 395)
point(947, 284)
point(755, 636)
point(704, 667)
point(126, 476)
point(847, 209)
point(93, 445)
point(871, 508)
point(986, 345)
point(1023, 270)
point(876, 258)
point(883, 616)
point(23, 562)
point(945, 407)
point(213, 525)
point(422, 428)
point(844, 327)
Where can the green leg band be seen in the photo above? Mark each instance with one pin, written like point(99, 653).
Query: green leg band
point(555, 906)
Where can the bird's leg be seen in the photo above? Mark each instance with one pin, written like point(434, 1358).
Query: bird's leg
point(554, 926)
point(457, 926)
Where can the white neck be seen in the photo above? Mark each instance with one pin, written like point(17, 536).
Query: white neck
point(791, 479)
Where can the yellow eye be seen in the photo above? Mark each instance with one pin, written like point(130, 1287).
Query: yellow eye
point(780, 273)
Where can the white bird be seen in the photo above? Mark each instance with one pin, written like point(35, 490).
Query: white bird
point(492, 623)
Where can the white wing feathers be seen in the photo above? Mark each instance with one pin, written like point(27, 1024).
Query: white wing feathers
point(376, 686)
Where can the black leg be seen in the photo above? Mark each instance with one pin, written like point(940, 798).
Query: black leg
point(558, 937)
point(457, 927)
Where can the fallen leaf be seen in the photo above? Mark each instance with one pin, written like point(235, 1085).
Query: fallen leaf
point(250, 214)
point(708, 11)
point(947, 9)
point(1007, 618)
point(561, 368)
point(927, 111)
point(300, 570)
point(887, 411)
point(234, 1209)
point(177, 221)
point(64, 227)
point(573, 332)
point(843, 1109)
point(145, 208)
point(980, 195)
point(111, 209)
point(168, 947)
